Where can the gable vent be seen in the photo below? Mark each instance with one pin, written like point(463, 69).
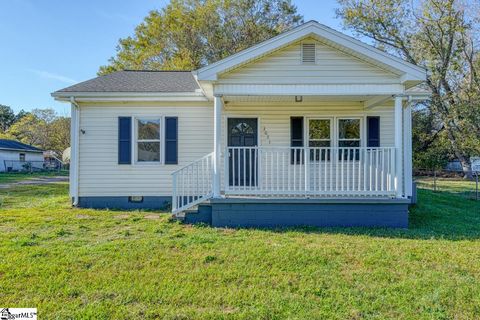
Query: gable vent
point(308, 52)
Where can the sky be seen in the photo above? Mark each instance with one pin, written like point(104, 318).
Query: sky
point(47, 45)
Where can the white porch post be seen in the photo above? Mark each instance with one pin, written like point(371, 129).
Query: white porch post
point(407, 148)
point(217, 144)
point(398, 146)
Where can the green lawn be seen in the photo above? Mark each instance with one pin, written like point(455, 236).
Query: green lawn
point(73, 263)
point(19, 176)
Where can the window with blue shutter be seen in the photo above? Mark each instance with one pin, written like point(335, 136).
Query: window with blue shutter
point(373, 132)
point(296, 139)
point(171, 140)
point(124, 140)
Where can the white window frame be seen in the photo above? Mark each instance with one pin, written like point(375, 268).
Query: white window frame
point(136, 140)
point(337, 131)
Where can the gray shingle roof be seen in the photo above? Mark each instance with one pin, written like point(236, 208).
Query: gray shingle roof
point(138, 81)
point(15, 145)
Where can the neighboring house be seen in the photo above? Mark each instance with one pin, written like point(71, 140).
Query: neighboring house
point(311, 127)
point(17, 156)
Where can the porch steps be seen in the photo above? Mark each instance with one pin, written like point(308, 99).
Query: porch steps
point(199, 214)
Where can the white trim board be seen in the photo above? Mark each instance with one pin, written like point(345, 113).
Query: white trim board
point(308, 89)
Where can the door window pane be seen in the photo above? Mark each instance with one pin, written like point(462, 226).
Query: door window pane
point(319, 136)
point(349, 137)
point(319, 129)
point(349, 129)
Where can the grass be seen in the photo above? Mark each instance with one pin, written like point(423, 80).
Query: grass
point(82, 264)
point(20, 176)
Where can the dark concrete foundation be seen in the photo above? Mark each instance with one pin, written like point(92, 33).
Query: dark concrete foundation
point(153, 203)
point(265, 213)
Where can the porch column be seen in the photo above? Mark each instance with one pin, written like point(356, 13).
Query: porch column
point(217, 143)
point(398, 145)
point(407, 148)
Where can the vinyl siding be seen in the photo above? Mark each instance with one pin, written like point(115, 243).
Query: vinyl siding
point(6, 155)
point(274, 120)
point(101, 175)
point(332, 67)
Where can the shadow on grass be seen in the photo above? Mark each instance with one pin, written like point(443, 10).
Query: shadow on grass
point(438, 215)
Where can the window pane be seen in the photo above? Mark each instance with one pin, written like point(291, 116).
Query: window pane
point(349, 143)
point(319, 144)
point(148, 129)
point(349, 129)
point(148, 151)
point(319, 129)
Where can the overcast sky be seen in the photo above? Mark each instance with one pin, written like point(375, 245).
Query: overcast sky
point(51, 44)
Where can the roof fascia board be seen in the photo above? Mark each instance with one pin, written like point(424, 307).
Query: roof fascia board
point(130, 96)
point(21, 150)
point(411, 71)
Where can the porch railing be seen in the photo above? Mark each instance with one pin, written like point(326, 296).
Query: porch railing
point(192, 184)
point(310, 172)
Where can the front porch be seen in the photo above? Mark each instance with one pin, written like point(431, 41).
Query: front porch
point(258, 154)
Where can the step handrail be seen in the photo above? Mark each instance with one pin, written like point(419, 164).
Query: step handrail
point(192, 184)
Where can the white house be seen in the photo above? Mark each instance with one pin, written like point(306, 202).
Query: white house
point(17, 156)
point(311, 127)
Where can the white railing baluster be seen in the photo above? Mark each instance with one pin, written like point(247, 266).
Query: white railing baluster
point(343, 166)
point(289, 172)
point(348, 169)
point(376, 170)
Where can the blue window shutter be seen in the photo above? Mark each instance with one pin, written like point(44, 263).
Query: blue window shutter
point(171, 140)
point(124, 140)
point(296, 139)
point(373, 132)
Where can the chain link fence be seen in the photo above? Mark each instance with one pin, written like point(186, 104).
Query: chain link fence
point(450, 181)
point(34, 166)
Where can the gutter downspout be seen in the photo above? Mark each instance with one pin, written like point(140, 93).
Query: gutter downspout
point(75, 111)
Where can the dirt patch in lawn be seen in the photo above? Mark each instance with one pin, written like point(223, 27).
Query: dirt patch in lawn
point(152, 217)
point(122, 216)
point(34, 181)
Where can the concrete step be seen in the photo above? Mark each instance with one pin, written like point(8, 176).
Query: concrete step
point(202, 214)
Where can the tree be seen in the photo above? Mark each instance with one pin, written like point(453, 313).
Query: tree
point(30, 130)
point(60, 134)
point(440, 36)
point(188, 34)
point(7, 117)
point(431, 148)
point(42, 128)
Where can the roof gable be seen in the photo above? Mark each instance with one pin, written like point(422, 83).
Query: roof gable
point(330, 65)
point(333, 38)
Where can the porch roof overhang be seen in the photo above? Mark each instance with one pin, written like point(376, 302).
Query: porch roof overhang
point(307, 89)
